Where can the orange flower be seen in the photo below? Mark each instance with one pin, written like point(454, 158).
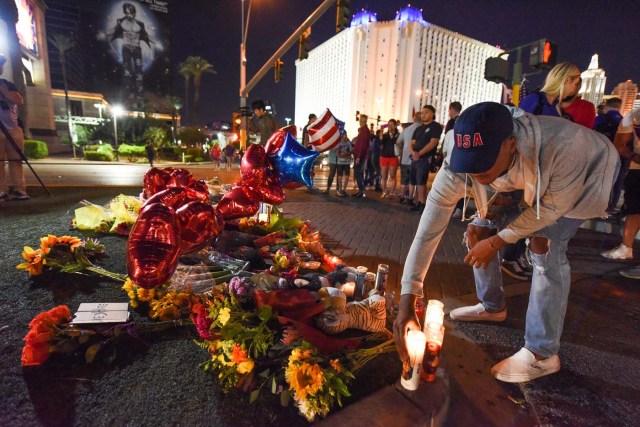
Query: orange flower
point(72, 241)
point(34, 261)
point(41, 329)
point(47, 242)
point(34, 355)
point(305, 379)
point(335, 364)
point(238, 354)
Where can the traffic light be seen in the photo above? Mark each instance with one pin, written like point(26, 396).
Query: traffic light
point(237, 120)
point(343, 15)
point(496, 70)
point(543, 54)
point(277, 70)
point(303, 48)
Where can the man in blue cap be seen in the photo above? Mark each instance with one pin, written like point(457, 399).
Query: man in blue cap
point(565, 172)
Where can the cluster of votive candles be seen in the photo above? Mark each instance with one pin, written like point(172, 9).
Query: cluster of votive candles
point(424, 347)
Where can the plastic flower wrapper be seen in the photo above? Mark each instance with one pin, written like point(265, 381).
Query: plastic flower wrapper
point(67, 254)
point(241, 286)
point(51, 332)
point(117, 216)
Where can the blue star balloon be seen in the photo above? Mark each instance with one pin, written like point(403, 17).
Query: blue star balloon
point(293, 162)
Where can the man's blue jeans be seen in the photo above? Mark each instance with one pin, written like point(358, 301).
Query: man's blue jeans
point(550, 284)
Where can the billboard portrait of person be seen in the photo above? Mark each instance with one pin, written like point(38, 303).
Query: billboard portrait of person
point(129, 32)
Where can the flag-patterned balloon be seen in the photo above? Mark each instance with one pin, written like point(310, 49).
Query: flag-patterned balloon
point(324, 132)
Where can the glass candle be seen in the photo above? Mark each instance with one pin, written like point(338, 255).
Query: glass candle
point(434, 334)
point(416, 342)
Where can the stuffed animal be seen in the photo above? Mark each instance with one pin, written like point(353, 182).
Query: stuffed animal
point(368, 315)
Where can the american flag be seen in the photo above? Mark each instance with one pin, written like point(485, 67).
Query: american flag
point(325, 132)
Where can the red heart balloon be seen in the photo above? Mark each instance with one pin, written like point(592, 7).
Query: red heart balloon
point(270, 191)
point(198, 223)
point(201, 187)
point(252, 165)
point(276, 139)
point(153, 247)
point(175, 197)
point(238, 203)
point(155, 180)
point(180, 178)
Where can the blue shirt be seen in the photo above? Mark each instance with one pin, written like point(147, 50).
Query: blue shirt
point(532, 103)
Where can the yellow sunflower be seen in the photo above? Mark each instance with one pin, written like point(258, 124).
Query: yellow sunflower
point(305, 379)
point(72, 241)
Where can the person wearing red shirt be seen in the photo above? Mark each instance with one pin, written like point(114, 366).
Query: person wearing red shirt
point(583, 112)
point(360, 151)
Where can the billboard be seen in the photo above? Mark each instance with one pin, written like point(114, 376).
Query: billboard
point(133, 44)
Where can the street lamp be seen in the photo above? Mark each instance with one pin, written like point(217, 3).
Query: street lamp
point(243, 73)
point(116, 110)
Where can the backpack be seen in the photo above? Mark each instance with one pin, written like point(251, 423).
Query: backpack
point(540, 107)
point(608, 126)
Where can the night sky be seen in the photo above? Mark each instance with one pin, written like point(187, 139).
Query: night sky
point(211, 29)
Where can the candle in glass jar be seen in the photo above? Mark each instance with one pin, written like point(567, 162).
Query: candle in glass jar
point(349, 289)
point(416, 342)
point(434, 334)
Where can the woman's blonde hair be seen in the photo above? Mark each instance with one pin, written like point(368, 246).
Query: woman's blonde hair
point(554, 84)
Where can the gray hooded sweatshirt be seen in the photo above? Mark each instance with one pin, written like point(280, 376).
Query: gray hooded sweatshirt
point(567, 171)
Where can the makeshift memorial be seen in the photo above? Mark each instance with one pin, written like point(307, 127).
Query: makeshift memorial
point(67, 254)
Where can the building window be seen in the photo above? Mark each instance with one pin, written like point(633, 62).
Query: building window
point(76, 108)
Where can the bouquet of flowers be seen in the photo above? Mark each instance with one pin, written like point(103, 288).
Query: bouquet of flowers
point(162, 302)
point(116, 217)
point(51, 332)
point(67, 254)
point(235, 337)
point(319, 381)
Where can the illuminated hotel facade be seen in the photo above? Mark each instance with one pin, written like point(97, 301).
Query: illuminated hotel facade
point(390, 69)
point(593, 82)
point(28, 67)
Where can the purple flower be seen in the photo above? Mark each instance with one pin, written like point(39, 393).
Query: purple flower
point(241, 286)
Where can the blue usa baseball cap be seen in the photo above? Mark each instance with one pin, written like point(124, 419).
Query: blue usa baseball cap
point(478, 135)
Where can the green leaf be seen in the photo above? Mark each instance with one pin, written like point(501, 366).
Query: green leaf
point(264, 374)
point(285, 397)
point(265, 313)
point(254, 396)
point(274, 385)
point(91, 352)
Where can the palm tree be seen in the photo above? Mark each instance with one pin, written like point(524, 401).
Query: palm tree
point(175, 104)
point(63, 43)
point(185, 70)
point(197, 66)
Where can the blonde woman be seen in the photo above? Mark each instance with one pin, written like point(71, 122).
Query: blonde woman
point(562, 85)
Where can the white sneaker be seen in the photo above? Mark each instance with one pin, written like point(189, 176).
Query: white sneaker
point(477, 313)
point(523, 367)
point(620, 252)
point(632, 273)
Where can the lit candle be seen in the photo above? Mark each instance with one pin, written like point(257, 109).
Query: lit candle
point(435, 312)
point(416, 342)
point(349, 289)
point(434, 333)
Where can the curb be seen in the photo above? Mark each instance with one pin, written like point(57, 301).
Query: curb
point(397, 407)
